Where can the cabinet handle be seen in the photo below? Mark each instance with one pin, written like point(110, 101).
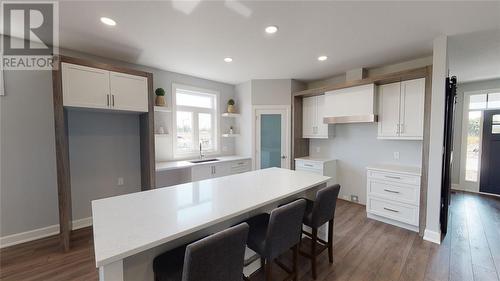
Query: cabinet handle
point(401, 128)
point(107, 100)
point(391, 191)
point(393, 177)
point(113, 99)
point(397, 129)
point(308, 165)
point(391, 210)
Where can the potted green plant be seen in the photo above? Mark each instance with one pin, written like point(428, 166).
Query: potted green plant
point(160, 97)
point(230, 106)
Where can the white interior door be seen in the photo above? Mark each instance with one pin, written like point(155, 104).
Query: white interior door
point(272, 131)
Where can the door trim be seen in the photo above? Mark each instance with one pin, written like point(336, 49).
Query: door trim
point(469, 185)
point(287, 109)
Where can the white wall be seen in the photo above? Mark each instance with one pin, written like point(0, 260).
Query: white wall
point(243, 99)
point(439, 74)
point(457, 133)
point(28, 191)
point(355, 146)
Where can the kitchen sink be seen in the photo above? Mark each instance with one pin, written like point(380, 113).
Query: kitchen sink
point(204, 160)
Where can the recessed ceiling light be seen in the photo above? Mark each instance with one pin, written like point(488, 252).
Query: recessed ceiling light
point(271, 29)
point(108, 21)
point(322, 58)
point(228, 59)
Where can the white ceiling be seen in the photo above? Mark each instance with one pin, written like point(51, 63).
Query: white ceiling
point(475, 56)
point(194, 37)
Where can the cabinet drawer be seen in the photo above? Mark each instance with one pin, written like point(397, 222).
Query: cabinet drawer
point(399, 192)
point(397, 211)
point(240, 166)
point(394, 177)
point(308, 165)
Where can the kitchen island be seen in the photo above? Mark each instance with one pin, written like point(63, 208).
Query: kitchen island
point(130, 230)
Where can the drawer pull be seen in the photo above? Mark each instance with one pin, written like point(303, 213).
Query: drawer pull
point(391, 210)
point(308, 165)
point(391, 191)
point(241, 163)
point(393, 177)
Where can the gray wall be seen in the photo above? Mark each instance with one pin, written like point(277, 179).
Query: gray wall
point(102, 147)
point(355, 146)
point(271, 92)
point(457, 136)
point(28, 191)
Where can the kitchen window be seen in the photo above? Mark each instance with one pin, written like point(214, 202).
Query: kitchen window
point(195, 121)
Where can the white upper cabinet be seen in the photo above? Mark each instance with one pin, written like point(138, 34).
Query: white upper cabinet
point(89, 87)
point(412, 108)
point(389, 105)
point(308, 117)
point(401, 110)
point(85, 86)
point(129, 92)
point(313, 112)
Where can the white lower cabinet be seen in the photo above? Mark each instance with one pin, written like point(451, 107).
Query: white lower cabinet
point(220, 169)
point(393, 197)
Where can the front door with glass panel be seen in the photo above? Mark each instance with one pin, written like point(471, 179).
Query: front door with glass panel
point(490, 158)
point(272, 142)
point(479, 141)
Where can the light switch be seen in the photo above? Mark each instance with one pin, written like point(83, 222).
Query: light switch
point(318, 149)
point(120, 181)
point(396, 155)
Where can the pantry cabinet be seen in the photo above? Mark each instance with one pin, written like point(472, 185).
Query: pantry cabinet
point(88, 87)
point(313, 112)
point(401, 110)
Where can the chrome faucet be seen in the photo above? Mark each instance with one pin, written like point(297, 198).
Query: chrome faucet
point(201, 153)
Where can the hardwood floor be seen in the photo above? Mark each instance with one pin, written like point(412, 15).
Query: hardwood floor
point(364, 250)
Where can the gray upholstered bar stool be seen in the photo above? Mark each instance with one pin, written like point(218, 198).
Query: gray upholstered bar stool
point(272, 235)
point(319, 212)
point(214, 258)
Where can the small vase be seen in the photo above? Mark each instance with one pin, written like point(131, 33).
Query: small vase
point(160, 101)
point(231, 108)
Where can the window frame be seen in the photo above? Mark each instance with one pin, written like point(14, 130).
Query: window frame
point(195, 110)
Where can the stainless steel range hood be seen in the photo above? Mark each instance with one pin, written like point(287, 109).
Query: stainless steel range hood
point(351, 105)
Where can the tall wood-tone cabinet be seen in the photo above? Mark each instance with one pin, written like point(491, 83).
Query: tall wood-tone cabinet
point(313, 112)
point(401, 110)
point(84, 84)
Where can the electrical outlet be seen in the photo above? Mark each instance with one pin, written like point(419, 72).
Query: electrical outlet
point(318, 149)
point(121, 181)
point(346, 197)
point(224, 148)
point(354, 198)
point(396, 155)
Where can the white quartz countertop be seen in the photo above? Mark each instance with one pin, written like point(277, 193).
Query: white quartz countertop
point(129, 224)
point(172, 165)
point(317, 159)
point(410, 170)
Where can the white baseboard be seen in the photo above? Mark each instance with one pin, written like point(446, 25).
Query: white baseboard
point(81, 223)
point(18, 238)
point(432, 236)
